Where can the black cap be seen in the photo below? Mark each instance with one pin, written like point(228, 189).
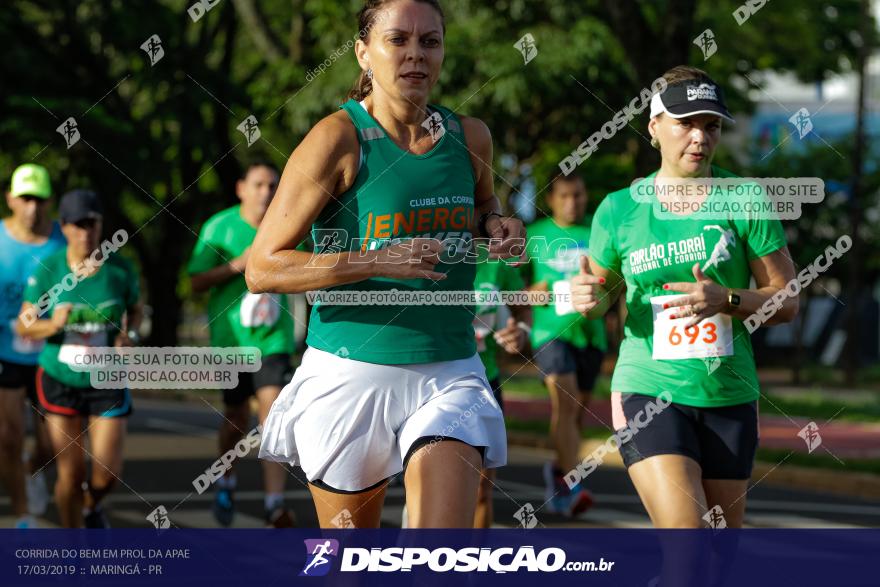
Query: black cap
point(80, 205)
point(689, 97)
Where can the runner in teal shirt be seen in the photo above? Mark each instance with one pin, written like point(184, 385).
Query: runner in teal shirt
point(27, 237)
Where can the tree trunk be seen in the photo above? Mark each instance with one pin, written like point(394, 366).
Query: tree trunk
point(651, 52)
point(162, 296)
point(298, 39)
point(853, 349)
point(260, 31)
point(797, 365)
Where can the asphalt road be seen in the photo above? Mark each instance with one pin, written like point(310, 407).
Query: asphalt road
point(170, 443)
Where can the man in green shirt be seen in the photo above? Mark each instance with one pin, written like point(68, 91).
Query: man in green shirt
point(238, 318)
point(494, 326)
point(568, 348)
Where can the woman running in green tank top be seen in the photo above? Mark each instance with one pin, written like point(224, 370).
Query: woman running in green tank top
point(394, 190)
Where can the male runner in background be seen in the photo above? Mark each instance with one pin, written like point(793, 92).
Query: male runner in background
point(239, 318)
point(568, 348)
point(497, 326)
point(26, 237)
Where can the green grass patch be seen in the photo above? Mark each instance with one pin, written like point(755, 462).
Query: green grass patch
point(819, 461)
point(819, 407)
point(869, 375)
point(825, 376)
point(533, 386)
point(542, 428)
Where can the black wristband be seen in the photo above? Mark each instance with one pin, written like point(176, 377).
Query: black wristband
point(481, 223)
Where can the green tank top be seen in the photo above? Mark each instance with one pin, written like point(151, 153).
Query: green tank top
point(399, 195)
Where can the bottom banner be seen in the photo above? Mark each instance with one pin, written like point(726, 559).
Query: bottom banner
point(622, 558)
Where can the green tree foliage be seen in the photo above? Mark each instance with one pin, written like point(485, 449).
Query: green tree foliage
point(160, 142)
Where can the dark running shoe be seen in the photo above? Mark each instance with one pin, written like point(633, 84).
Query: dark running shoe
point(280, 517)
point(224, 507)
point(96, 519)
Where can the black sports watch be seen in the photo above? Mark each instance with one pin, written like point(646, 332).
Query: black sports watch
point(134, 336)
point(733, 299)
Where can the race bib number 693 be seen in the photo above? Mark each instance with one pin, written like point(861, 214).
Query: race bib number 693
point(713, 337)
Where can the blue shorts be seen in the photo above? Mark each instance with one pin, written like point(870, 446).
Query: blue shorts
point(723, 441)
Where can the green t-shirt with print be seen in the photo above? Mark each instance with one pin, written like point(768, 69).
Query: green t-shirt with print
point(98, 303)
point(236, 316)
point(648, 252)
point(554, 253)
point(492, 277)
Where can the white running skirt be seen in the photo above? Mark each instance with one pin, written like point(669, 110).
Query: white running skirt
point(350, 424)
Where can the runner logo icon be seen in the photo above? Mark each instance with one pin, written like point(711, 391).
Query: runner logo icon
point(318, 559)
point(810, 434)
point(526, 46)
point(802, 122)
point(250, 129)
point(526, 516)
point(706, 42)
point(70, 131)
point(434, 125)
point(715, 518)
point(153, 48)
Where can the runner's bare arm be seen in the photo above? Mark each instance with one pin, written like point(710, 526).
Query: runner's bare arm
point(133, 316)
point(40, 328)
point(510, 230)
point(539, 291)
point(595, 289)
point(515, 335)
point(322, 167)
point(522, 313)
point(202, 282)
point(479, 145)
point(771, 272)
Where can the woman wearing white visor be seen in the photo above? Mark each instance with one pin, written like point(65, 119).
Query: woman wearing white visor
point(685, 384)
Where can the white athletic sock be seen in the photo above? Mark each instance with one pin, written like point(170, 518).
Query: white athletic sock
point(272, 501)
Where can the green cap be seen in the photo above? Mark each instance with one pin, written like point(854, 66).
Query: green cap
point(31, 180)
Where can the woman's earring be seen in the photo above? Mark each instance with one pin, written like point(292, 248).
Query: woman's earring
point(370, 73)
point(655, 143)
